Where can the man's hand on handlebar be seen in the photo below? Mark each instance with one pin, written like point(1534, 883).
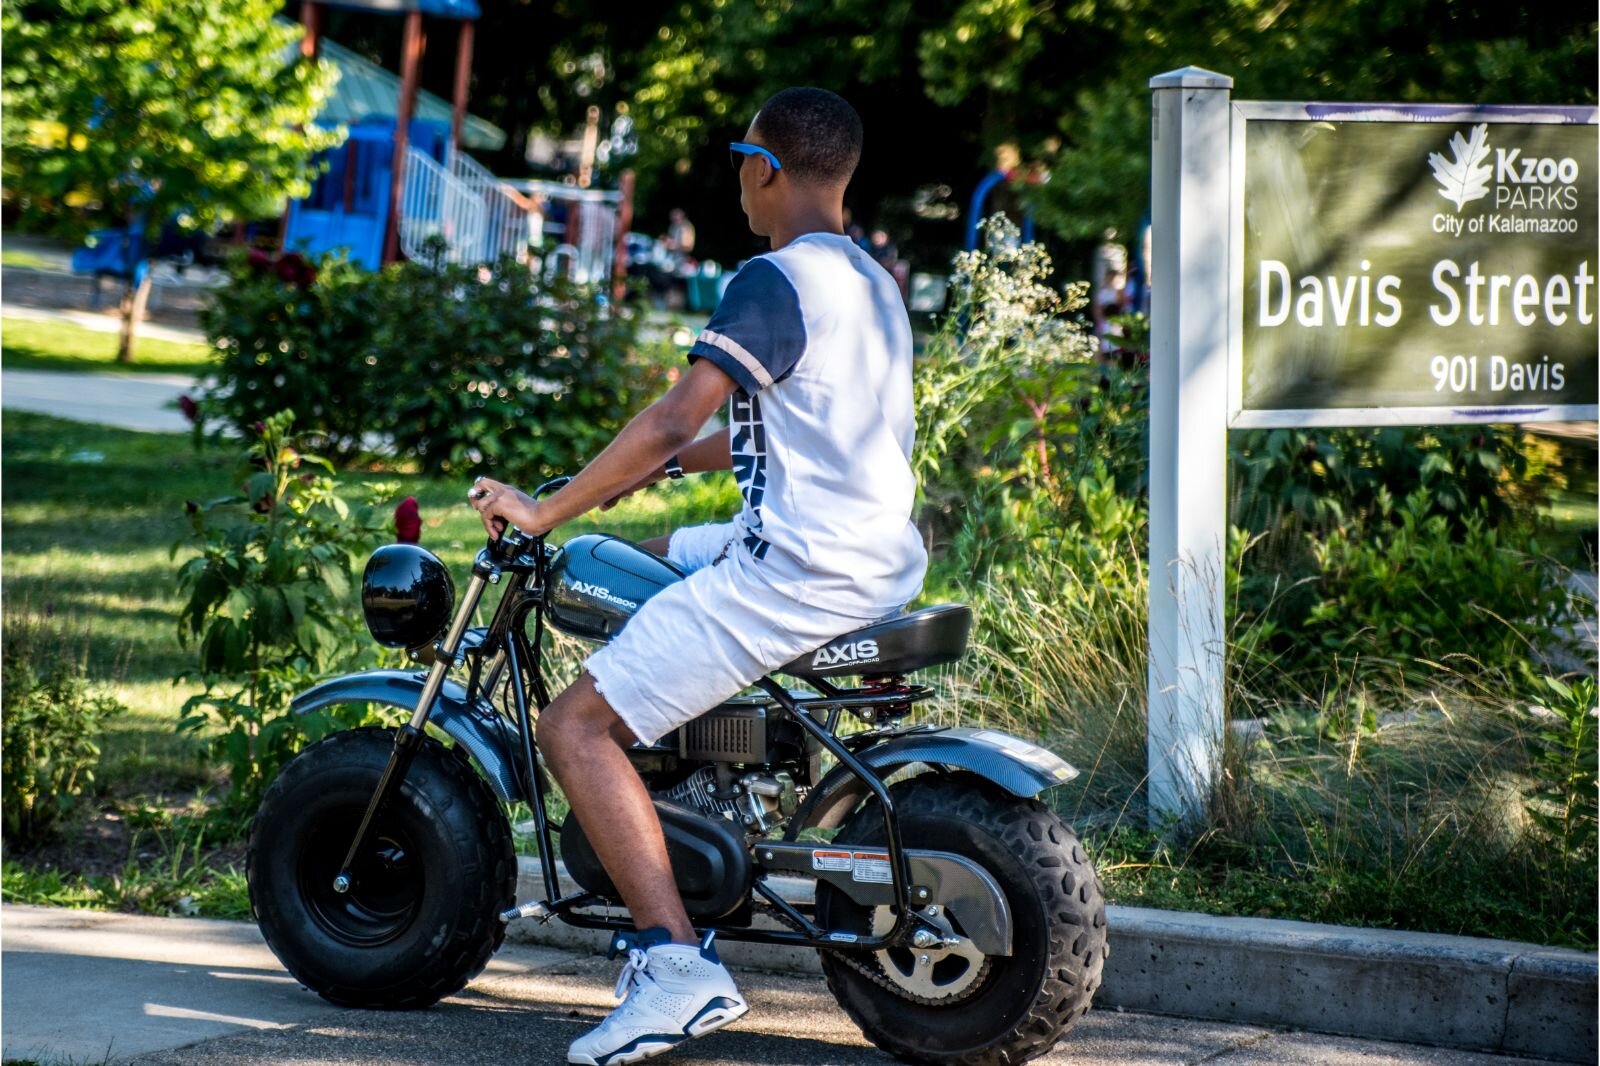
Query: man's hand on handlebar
point(499, 504)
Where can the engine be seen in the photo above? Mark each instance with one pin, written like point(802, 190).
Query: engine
point(755, 801)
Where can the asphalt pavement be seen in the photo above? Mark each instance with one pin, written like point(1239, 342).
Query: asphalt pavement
point(92, 987)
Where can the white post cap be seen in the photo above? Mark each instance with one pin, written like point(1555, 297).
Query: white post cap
point(1191, 78)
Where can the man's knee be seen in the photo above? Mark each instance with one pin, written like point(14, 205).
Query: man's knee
point(578, 718)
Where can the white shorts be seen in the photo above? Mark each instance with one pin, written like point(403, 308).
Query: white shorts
point(696, 643)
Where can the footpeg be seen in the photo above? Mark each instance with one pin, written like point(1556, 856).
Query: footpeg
point(532, 909)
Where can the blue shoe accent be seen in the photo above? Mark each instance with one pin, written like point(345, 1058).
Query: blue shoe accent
point(670, 1039)
point(643, 939)
point(708, 949)
point(719, 1003)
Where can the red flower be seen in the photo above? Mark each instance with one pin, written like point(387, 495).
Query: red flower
point(407, 521)
point(190, 409)
point(260, 262)
point(294, 270)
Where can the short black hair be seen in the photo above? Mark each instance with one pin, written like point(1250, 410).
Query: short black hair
point(815, 134)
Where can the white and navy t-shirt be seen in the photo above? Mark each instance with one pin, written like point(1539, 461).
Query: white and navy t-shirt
point(821, 427)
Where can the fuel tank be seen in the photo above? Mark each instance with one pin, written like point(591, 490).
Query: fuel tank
point(596, 582)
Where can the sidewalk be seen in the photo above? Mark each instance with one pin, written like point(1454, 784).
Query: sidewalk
point(85, 986)
point(129, 401)
point(1384, 984)
point(175, 299)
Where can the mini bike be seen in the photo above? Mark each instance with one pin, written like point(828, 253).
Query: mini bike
point(957, 918)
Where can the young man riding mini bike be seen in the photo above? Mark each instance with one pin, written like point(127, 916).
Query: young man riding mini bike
point(956, 917)
point(810, 349)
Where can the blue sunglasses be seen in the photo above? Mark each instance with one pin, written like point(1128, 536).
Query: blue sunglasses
point(738, 150)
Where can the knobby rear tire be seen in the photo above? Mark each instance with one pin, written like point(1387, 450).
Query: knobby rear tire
point(1026, 1002)
point(423, 917)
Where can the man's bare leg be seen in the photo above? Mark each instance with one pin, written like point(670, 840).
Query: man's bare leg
point(583, 740)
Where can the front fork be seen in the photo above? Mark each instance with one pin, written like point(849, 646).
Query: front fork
point(409, 738)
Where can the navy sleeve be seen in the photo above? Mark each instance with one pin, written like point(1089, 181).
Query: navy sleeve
point(757, 333)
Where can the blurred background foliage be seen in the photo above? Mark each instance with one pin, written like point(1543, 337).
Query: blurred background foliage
point(179, 110)
point(942, 84)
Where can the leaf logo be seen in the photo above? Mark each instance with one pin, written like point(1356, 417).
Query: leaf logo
point(1466, 177)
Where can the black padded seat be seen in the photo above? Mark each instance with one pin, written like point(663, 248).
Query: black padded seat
point(929, 637)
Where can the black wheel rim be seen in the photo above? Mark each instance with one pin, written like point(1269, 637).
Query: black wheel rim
point(387, 881)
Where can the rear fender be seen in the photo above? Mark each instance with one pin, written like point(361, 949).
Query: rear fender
point(1019, 766)
point(482, 733)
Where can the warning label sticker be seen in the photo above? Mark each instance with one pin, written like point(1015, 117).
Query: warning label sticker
point(830, 860)
point(872, 866)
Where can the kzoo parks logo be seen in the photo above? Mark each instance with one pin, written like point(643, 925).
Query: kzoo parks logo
point(1530, 193)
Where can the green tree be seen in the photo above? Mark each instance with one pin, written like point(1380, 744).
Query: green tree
point(186, 111)
point(942, 84)
point(1092, 129)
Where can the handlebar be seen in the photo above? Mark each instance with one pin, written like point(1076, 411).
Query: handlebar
point(513, 541)
point(552, 485)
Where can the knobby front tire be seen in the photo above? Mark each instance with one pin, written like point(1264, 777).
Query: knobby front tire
point(422, 917)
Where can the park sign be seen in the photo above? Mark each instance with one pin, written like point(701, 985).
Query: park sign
point(1338, 265)
point(1412, 264)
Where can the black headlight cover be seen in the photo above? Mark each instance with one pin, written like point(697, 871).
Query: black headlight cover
point(406, 595)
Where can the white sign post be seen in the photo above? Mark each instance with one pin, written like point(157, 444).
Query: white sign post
point(1189, 316)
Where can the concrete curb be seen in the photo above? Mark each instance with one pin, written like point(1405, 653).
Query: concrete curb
point(1421, 988)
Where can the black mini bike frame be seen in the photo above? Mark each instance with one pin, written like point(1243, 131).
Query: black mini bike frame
point(524, 559)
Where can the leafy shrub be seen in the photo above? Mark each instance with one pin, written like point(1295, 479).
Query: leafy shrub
point(290, 333)
point(1017, 418)
point(1565, 802)
point(1327, 477)
point(270, 603)
point(1407, 588)
point(50, 719)
point(456, 366)
point(503, 373)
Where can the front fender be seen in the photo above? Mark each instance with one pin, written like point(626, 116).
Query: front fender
point(485, 735)
point(1016, 765)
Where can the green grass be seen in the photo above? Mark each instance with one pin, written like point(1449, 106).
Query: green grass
point(95, 565)
point(87, 545)
point(179, 882)
point(32, 344)
point(20, 257)
point(1413, 828)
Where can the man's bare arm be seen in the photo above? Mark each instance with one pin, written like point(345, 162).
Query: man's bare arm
point(710, 452)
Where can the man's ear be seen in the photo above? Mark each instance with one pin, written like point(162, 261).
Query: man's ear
point(768, 175)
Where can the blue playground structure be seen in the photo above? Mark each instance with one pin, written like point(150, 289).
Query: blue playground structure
point(349, 204)
point(115, 253)
point(975, 207)
point(122, 252)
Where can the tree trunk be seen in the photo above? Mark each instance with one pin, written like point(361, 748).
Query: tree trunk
point(133, 302)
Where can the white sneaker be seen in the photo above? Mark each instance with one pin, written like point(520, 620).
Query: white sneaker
point(670, 993)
